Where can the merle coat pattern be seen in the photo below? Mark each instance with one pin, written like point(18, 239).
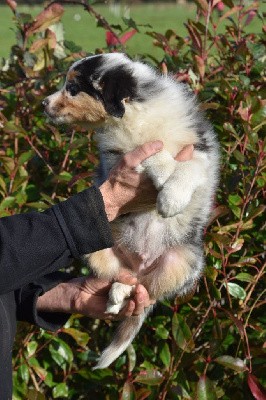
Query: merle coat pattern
point(128, 104)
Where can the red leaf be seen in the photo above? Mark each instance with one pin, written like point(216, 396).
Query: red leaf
point(127, 36)
point(195, 37)
point(47, 17)
point(111, 39)
point(256, 388)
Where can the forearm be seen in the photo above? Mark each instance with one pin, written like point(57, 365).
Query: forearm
point(35, 244)
point(28, 296)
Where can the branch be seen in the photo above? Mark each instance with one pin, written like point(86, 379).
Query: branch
point(91, 11)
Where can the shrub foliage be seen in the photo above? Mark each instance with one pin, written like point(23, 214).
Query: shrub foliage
point(212, 346)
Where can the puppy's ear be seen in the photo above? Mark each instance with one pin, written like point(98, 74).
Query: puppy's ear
point(117, 85)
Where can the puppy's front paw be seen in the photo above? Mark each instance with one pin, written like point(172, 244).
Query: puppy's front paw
point(171, 202)
point(118, 294)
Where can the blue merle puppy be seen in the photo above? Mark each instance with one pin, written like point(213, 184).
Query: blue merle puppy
point(128, 103)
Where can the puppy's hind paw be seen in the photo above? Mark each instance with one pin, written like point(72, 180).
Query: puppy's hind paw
point(118, 295)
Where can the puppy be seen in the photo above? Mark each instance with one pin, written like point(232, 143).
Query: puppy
point(128, 104)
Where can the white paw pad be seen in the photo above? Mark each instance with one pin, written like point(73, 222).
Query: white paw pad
point(118, 294)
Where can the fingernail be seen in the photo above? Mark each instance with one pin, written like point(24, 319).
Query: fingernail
point(140, 298)
point(158, 145)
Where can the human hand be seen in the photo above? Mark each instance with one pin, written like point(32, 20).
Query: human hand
point(128, 191)
point(124, 183)
point(89, 295)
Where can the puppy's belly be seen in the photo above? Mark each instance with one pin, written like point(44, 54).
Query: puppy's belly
point(144, 264)
point(137, 263)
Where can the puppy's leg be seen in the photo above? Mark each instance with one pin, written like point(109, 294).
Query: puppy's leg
point(104, 263)
point(175, 272)
point(178, 189)
point(158, 167)
point(175, 180)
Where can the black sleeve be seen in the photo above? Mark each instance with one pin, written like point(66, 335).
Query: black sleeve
point(35, 244)
point(26, 300)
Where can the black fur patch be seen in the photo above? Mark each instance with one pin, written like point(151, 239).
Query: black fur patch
point(195, 235)
point(117, 84)
point(87, 72)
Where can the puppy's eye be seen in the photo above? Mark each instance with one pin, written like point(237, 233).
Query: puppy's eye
point(72, 88)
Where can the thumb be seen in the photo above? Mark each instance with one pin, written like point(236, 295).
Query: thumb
point(140, 153)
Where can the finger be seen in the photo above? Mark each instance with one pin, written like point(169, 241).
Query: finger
point(126, 278)
point(128, 310)
point(142, 300)
point(185, 154)
point(135, 157)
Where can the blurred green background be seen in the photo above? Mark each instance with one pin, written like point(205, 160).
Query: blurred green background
point(80, 26)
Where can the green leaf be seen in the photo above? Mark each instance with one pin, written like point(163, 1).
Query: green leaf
point(24, 157)
point(235, 199)
point(205, 389)
point(128, 392)
point(33, 394)
point(60, 390)
point(165, 355)
point(161, 332)
point(31, 348)
point(236, 291)
point(24, 373)
point(150, 377)
point(8, 202)
point(244, 277)
point(21, 198)
point(3, 184)
point(64, 350)
point(182, 333)
point(239, 156)
point(131, 357)
point(81, 338)
point(57, 357)
point(64, 176)
point(233, 363)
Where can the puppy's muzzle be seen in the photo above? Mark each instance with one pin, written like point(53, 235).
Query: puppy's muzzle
point(47, 111)
point(45, 102)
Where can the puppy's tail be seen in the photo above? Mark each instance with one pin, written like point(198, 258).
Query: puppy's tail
point(124, 335)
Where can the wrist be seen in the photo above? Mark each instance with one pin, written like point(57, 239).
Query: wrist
point(112, 211)
point(62, 298)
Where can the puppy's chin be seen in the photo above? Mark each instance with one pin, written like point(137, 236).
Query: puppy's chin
point(71, 122)
point(59, 119)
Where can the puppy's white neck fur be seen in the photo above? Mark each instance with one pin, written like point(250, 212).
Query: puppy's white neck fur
point(153, 119)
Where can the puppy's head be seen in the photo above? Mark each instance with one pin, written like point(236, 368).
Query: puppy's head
point(96, 87)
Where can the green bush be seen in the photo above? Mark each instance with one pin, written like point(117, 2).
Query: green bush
point(211, 346)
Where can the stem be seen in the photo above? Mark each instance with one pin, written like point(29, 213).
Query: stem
point(91, 11)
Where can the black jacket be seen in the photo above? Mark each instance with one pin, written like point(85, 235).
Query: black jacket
point(35, 244)
point(32, 247)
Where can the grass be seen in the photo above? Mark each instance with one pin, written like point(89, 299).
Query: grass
point(80, 27)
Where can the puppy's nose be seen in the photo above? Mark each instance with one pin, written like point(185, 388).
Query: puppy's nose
point(45, 102)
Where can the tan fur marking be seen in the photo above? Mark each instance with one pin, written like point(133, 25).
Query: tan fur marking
point(170, 273)
point(72, 74)
point(104, 263)
point(80, 108)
